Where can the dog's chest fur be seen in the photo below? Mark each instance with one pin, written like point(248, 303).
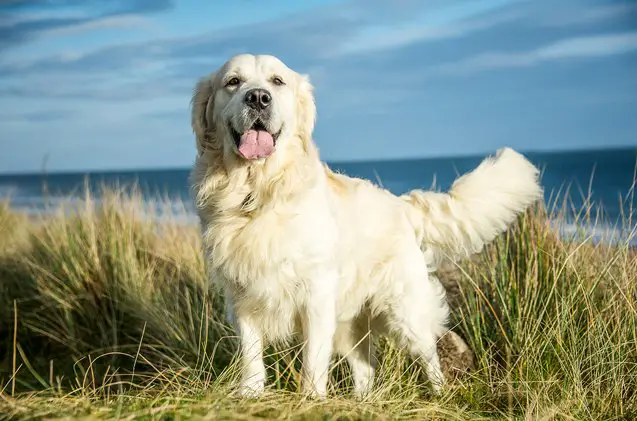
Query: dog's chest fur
point(268, 256)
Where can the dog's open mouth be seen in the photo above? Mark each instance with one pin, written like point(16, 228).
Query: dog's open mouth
point(257, 142)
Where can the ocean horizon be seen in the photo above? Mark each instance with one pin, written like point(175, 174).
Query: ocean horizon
point(601, 182)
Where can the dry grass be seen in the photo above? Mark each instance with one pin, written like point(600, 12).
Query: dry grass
point(105, 313)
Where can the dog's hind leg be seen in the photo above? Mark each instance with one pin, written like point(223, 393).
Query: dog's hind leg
point(353, 341)
point(421, 343)
point(418, 315)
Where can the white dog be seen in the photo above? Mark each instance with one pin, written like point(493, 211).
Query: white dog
point(300, 249)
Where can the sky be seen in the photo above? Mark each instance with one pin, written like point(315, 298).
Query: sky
point(106, 84)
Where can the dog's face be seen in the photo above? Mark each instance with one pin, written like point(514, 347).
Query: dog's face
point(253, 106)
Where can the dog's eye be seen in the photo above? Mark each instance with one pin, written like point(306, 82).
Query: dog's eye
point(278, 81)
point(233, 81)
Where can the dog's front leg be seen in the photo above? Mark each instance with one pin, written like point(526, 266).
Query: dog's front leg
point(319, 328)
point(253, 369)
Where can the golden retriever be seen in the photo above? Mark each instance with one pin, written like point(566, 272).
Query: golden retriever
point(297, 248)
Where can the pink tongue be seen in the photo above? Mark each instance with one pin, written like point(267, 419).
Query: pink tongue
point(256, 144)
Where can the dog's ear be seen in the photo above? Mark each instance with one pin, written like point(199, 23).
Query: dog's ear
point(202, 97)
point(306, 108)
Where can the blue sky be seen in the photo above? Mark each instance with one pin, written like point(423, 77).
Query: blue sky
point(106, 84)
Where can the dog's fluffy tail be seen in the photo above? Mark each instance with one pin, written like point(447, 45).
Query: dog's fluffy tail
point(480, 205)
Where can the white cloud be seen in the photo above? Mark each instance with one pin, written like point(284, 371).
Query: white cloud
point(570, 48)
point(13, 19)
point(108, 22)
point(424, 28)
point(592, 46)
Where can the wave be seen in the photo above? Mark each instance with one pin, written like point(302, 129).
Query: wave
point(178, 211)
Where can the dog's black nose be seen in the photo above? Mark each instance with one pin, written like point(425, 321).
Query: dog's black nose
point(257, 98)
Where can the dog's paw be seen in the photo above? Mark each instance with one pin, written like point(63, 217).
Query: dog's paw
point(361, 395)
point(363, 387)
point(316, 395)
point(251, 389)
point(313, 393)
point(437, 386)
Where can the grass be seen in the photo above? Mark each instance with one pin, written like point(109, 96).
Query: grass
point(107, 314)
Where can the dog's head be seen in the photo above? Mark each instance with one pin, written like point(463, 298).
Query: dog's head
point(253, 107)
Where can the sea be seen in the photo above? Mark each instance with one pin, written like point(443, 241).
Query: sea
point(601, 182)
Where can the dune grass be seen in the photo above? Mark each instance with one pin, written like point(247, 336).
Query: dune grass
point(106, 313)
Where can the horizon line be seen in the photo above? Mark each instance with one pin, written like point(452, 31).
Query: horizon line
point(330, 162)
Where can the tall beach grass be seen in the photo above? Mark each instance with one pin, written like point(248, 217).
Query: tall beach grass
point(106, 312)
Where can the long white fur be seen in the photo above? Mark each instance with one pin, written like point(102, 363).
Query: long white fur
point(479, 206)
point(300, 250)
